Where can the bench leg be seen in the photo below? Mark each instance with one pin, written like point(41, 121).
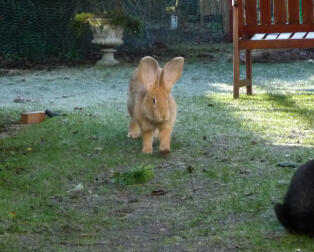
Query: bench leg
point(249, 72)
point(236, 73)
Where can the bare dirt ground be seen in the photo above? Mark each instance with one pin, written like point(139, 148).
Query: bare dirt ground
point(10, 130)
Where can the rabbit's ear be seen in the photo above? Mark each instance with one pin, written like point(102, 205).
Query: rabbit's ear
point(148, 71)
point(172, 72)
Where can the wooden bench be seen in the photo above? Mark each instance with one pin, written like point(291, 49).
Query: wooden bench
point(270, 24)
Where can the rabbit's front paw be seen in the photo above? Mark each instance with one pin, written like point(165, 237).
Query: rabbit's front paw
point(164, 151)
point(134, 129)
point(134, 134)
point(147, 150)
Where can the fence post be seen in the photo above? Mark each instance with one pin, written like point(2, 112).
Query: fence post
point(202, 12)
point(118, 4)
point(230, 14)
point(227, 19)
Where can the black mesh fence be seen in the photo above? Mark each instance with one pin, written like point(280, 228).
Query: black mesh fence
point(183, 21)
point(37, 29)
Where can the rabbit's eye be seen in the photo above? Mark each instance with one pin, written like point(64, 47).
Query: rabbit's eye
point(154, 100)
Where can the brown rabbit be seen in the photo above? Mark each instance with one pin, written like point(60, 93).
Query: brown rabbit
point(150, 103)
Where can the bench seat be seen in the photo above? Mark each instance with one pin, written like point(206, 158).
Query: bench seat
point(278, 40)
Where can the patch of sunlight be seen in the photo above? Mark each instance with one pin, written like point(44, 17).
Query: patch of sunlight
point(219, 87)
point(291, 144)
point(280, 86)
point(279, 120)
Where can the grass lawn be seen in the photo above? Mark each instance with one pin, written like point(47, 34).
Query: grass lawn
point(219, 182)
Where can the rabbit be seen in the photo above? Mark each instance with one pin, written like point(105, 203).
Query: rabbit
point(296, 213)
point(150, 104)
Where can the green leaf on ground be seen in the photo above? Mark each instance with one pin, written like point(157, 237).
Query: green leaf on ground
point(136, 175)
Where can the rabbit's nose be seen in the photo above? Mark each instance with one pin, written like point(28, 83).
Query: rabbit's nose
point(165, 117)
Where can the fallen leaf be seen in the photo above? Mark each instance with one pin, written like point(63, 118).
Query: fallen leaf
point(94, 138)
point(20, 99)
point(12, 214)
point(249, 194)
point(98, 149)
point(158, 192)
point(190, 169)
point(78, 188)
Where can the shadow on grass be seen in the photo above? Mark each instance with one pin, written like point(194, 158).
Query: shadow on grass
point(251, 179)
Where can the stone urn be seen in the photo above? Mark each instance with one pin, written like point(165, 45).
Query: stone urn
point(109, 37)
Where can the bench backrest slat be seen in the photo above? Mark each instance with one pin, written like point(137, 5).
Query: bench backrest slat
point(280, 11)
point(307, 11)
point(240, 18)
point(279, 15)
point(251, 12)
point(265, 12)
point(293, 8)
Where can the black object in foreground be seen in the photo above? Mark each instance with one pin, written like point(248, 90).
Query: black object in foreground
point(53, 114)
point(296, 213)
